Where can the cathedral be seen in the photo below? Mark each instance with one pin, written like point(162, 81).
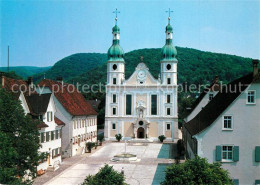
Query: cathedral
point(141, 107)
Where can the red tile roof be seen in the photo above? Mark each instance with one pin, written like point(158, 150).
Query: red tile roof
point(15, 86)
point(67, 94)
point(58, 121)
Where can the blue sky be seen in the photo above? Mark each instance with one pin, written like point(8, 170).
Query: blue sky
point(42, 32)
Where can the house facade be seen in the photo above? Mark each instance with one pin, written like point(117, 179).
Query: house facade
point(78, 115)
point(141, 106)
point(227, 129)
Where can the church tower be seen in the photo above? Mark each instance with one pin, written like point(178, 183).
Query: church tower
point(116, 62)
point(168, 58)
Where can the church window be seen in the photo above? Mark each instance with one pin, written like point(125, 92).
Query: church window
point(154, 104)
point(114, 66)
point(114, 111)
point(141, 122)
point(251, 97)
point(114, 81)
point(113, 126)
point(168, 98)
point(168, 111)
point(168, 80)
point(114, 98)
point(227, 122)
point(49, 116)
point(168, 66)
point(128, 104)
point(168, 126)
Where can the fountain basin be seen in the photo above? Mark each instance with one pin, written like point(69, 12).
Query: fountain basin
point(125, 157)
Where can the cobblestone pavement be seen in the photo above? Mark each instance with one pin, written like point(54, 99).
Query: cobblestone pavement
point(148, 169)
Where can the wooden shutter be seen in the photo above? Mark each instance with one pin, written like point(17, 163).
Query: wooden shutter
point(257, 153)
point(218, 153)
point(236, 153)
point(235, 181)
point(257, 182)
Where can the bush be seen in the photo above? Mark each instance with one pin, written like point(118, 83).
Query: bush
point(196, 171)
point(118, 137)
point(106, 175)
point(161, 138)
point(101, 138)
point(89, 146)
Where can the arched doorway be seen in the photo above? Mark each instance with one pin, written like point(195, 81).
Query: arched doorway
point(140, 132)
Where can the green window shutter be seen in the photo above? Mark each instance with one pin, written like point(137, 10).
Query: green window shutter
point(218, 153)
point(257, 182)
point(42, 137)
point(257, 153)
point(236, 153)
point(47, 136)
point(235, 181)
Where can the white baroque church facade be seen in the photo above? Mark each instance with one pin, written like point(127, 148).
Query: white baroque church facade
point(141, 106)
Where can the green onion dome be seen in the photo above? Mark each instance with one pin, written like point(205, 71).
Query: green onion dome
point(169, 52)
point(116, 29)
point(115, 52)
point(168, 28)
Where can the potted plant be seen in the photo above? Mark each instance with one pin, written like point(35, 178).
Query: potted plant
point(100, 139)
point(118, 137)
point(89, 146)
point(161, 138)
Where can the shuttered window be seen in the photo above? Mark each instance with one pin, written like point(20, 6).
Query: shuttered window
point(52, 135)
point(227, 153)
point(257, 153)
point(56, 134)
point(49, 116)
point(47, 136)
point(42, 137)
point(235, 181)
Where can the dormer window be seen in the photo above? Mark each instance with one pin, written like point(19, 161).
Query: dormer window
point(251, 97)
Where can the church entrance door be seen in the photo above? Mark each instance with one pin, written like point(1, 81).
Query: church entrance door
point(140, 132)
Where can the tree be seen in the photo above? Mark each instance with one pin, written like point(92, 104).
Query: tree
point(196, 171)
point(19, 144)
point(106, 175)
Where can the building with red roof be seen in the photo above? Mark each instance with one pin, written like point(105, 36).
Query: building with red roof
point(79, 116)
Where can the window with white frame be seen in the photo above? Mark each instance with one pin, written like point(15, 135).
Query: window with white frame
point(168, 110)
point(168, 98)
point(49, 116)
point(251, 97)
point(113, 126)
point(114, 111)
point(168, 126)
point(227, 153)
point(227, 122)
point(114, 98)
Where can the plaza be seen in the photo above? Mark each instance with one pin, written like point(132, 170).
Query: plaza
point(148, 169)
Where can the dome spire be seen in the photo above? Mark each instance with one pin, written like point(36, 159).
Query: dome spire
point(169, 52)
point(115, 52)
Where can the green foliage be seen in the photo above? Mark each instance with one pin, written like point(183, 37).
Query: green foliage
point(180, 147)
point(90, 145)
point(106, 175)
point(118, 137)
point(10, 74)
point(161, 138)
point(19, 144)
point(197, 171)
point(100, 138)
point(25, 71)
point(73, 65)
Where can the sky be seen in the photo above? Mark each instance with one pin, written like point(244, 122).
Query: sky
point(40, 33)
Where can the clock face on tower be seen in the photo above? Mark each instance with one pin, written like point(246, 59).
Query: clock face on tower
point(141, 74)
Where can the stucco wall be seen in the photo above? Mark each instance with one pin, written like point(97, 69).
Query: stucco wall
point(245, 134)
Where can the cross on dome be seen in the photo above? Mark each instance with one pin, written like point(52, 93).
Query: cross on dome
point(116, 12)
point(169, 11)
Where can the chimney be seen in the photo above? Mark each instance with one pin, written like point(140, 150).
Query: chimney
point(255, 67)
point(59, 79)
point(30, 80)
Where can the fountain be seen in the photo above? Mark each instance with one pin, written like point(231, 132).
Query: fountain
point(125, 156)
